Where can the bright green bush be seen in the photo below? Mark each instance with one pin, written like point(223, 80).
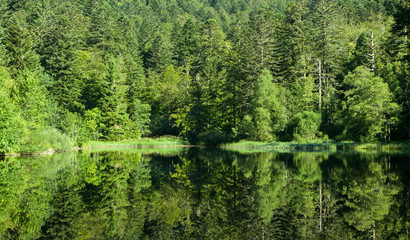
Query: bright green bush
point(41, 140)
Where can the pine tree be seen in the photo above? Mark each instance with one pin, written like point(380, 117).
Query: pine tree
point(58, 51)
point(185, 43)
point(293, 35)
point(103, 30)
point(113, 102)
point(20, 47)
point(257, 50)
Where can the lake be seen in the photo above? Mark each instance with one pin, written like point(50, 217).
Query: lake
point(198, 193)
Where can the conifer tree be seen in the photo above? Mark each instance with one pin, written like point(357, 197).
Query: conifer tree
point(58, 51)
point(20, 47)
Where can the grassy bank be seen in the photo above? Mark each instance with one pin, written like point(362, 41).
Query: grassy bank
point(280, 146)
point(374, 146)
point(48, 146)
point(162, 142)
point(317, 146)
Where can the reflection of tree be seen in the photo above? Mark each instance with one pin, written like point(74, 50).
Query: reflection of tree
point(9, 186)
point(205, 194)
point(99, 199)
point(309, 192)
point(67, 207)
point(170, 205)
point(369, 199)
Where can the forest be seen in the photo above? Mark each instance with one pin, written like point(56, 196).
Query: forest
point(73, 71)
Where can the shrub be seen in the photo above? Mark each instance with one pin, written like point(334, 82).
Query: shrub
point(307, 126)
point(245, 128)
point(41, 140)
point(214, 137)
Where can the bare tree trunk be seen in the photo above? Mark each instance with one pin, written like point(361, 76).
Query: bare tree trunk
point(320, 85)
point(320, 206)
point(372, 51)
point(373, 231)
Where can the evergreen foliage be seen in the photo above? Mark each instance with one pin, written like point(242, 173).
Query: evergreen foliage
point(112, 70)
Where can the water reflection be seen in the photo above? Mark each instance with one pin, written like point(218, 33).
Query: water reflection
point(206, 194)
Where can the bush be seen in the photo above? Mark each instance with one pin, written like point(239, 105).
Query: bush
point(214, 137)
point(307, 126)
point(41, 140)
point(245, 128)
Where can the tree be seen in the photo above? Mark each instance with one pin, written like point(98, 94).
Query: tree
point(20, 47)
point(60, 41)
point(140, 114)
point(256, 48)
point(185, 43)
point(113, 103)
point(399, 46)
point(269, 112)
point(10, 129)
point(370, 112)
point(103, 31)
point(294, 50)
point(325, 17)
point(93, 122)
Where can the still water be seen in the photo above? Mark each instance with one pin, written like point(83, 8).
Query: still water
point(206, 194)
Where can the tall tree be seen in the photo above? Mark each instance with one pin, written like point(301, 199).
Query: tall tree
point(326, 26)
point(61, 39)
point(370, 112)
point(20, 46)
point(269, 113)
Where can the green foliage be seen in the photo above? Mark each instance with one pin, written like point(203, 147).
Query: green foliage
point(141, 115)
point(46, 140)
point(73, 125)
point(10, 124)
point(269, 112)
point(245, 128)
point(198, 68)
point(369, 107)
point(304, 94)
point(307, 126)
point(93, 122)
point(214, 137)
point(20, 46)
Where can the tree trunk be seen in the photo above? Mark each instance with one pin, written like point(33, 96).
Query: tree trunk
point(372, 51)
point(320, 85)
point(320, 206)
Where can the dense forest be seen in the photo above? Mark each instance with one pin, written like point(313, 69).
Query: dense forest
point(209, 71)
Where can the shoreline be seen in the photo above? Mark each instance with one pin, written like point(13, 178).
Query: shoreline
point(339, 146)
point(161, 143)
